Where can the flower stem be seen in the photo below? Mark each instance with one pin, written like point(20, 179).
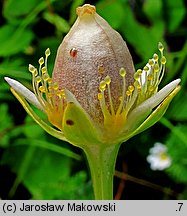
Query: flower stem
point(101, 159)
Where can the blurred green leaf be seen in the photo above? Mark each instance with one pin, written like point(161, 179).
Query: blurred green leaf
point(175, 11)
point(144, 39)
point(61, 24)
point(177, 149)
point(45, 174)
point(153, 10)
point(14, 40)
point(113, 12)
point(6, 124)
point(49, 146)
point(17, 9)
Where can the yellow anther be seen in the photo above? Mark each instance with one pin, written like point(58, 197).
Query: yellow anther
point(139, 71)
point(155, 57)
point(41, 61)
point(107, 80)
point(151, 88)
point(42, 89)
point(150, 77)
point(122, 72)
point(49, 80)
point(47, 52)
point(44, 70)
point(151, 62)
point(128, 93)
point(60, 93)
point(163, 60)
point(38, 79)
point(45, 77)
point(32, 68)
point(136, 75)
point(102, 86)
point(55, 86)
point(99, 96)
point(136, 84)
point(50, 88)
point(156, 68)
point(131, 88)
point(49, 95)
point(160, 46)
point(146, 68)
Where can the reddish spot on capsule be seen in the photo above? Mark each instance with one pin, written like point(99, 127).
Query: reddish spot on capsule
point(69, 122)
point(73, 52)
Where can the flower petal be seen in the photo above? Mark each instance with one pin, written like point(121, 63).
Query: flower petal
point(37, 119)
point(137, 116)
point(155, 115)
point(25, 92)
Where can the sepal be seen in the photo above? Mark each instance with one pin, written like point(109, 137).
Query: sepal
point(37, 119)
point(155, 116)
point(78, 128)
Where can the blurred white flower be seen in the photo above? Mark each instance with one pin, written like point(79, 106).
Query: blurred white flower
point(158, 157)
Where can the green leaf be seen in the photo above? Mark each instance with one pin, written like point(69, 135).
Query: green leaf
point(61, 24)
point(175, 12)
point(14, 40)
point(17, 9)
point(135, 32)
point(113, 12)
point(177, 149)
point(6, 123)
point(49, 146)
point(44, 173)
point(153, 10)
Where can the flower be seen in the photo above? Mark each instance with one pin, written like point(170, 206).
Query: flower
point(95, 96)
point(158, 158)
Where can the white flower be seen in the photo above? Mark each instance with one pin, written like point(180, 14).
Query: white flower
point(158, 157)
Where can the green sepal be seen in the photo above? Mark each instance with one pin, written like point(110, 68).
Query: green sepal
point(37, 119)
point(78, 128)
point(155, 116)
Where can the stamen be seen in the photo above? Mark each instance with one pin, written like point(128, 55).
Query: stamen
point(102, 86)
point(160, 47)
point(151, 62)
point(38, 79)
point(108, 81)
point(145, 85)
point(47, 92)
point(155, 57)
point(146, 68)
point(99, 96)
point(41, 61)
point(55, 86)
point(163, 60)
point(156, 67)
point(42, 89)
point(45, 77)
point(122, 72)
point(47, 52)
point(44, 70)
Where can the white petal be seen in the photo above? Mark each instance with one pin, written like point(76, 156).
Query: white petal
point(159, 96)
point(23, 91)
point(145, 108)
